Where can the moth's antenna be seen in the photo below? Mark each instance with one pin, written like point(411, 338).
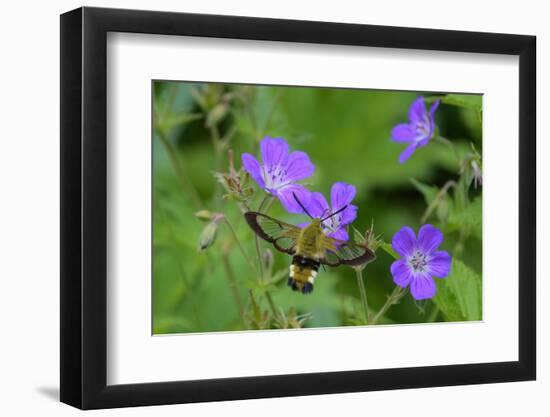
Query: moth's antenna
point(335, 213)
point(301, 205)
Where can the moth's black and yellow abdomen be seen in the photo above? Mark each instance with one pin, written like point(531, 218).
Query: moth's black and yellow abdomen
point(302, 274)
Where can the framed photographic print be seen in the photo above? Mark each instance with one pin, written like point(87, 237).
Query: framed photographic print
point(258, 208)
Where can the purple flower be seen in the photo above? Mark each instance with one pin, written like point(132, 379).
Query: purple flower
point(279, 172)
point(420, 260)
point(341, 195)
point(418, 131)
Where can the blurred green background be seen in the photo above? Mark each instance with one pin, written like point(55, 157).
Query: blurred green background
point(347, 136)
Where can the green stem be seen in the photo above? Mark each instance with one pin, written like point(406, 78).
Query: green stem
point(269, 205)
point(216, 145)
point(174, 160)
point(172, 238)
point(440, 195)
point(172, 98)
point(257, 240)
point(363, 292)
point(270, 114)
point(215, 139)
point(260, 260)
point(239, 244)
point(433, 314)
point(394, 297)
point(271, 303)
point(266, 198)
point(451, 146)
point(233, 285)
point(459, 246)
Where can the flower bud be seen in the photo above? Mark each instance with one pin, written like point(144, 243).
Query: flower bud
point(204, 215)
point(210, 231)
point(208, 235)
point(268, 259)
point(368, 239)
point(217, 114)
point(476, 171)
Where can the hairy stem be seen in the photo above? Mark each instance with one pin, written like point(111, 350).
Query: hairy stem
point(440, 195)
point(239, 244)
point(363, 292)
point(394, 297)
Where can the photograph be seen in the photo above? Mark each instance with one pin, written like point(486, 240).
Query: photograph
point(297, 207)
point(247, 209)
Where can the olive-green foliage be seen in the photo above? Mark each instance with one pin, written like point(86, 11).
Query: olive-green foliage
point(347, 136)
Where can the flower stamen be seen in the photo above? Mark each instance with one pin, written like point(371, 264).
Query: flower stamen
point(418, 261)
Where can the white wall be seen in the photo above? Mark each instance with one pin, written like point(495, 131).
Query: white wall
point(29, 175)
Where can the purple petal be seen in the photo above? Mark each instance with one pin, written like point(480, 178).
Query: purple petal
point(406, 154)
point(432, 116)
point(403, 133)
point(252, 166)
point(434, 107)
point(287, 199)
point(274, 152)
point(401, 272)
point(404, 241)
point(298, 166)
point(422, 287)
point(429, 238)
point(440, 264)
point(318, 206)
point(424, 141)
point(417, 110)
point(340, 234)
point(341, 194)
point(348, 215)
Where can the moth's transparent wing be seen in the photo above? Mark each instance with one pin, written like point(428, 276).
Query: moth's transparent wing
point(281, 234)
point(338, 252)
point(286, 244)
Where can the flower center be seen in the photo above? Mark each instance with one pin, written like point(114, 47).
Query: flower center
point(274, 177)
point(418, 262)
point(423, 127)
point(332, 224)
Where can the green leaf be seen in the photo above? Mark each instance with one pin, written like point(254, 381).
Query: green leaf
point(388, 248)
point(469, 101)
point(470, 218)
point(459, 295)
point(428, 191)
point(167, 122)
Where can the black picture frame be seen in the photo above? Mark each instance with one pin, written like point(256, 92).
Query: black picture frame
point(84, 207)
